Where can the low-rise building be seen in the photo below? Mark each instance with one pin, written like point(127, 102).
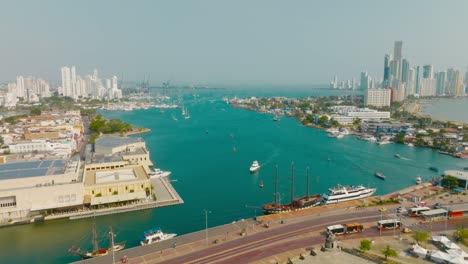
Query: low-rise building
point(30, 188)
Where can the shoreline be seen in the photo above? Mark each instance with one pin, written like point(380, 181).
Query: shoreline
point(417, 107)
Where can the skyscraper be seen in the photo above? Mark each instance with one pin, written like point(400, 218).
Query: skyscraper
point(386, 68)
point(397, 50)
point(364, 81)
point(416, 85)
point(66, 81)
point(441, 78)
point(405, 67)
point(428, 72)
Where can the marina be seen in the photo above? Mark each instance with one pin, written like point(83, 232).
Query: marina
point(345, 161)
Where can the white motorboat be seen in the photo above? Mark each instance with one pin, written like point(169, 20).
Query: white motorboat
point(418, 180)
point(346, 193)
point(255, 167)
point(156, 173)
point(155, 235)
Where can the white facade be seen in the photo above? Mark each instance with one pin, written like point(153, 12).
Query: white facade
point(66, 81)
point(427, 87)
point(377, 97)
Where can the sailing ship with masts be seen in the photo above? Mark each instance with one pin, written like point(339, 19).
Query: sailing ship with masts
point(295, 204)
point(97, 251)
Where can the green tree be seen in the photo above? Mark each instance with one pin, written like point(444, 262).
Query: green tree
point(450, 182)
point(400, 138)
point(323, 119)
point(357, 121)
point(389, 252)
point(460, 235)
point(35, 111)
point(420, 236)
point(365, 245)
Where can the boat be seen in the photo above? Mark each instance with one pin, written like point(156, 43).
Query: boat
point(156, 173)
point(418, 180)
point(432, 168)
point(97, 251)
point(379, 175)
point(333, 134)
point(306, 201)
point(410, 145)
point(155, 235)
point(346, 193)
point(255, 167)
point(340, 135)
point(397, 156)
point(276, 118)
point(261, 184)
point(187, 115)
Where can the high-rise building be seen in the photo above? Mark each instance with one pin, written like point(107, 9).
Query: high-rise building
point(416, 86)
point(115, 83)
point(441, 78)
point(386, 74)
point(405, 67)
point(20, 91)
point(459, 88)
point(397, 50)
point(365, 82)
point(428, 72)
point(377, 97)
point(66, 81)
point(428, 87)
point(450, 83)
point(411, 84)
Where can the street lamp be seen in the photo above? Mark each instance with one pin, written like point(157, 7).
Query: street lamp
point(206, 226)
point(280, 209)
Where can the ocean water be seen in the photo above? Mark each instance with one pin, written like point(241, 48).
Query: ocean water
point(454, 109)
point(210, 170)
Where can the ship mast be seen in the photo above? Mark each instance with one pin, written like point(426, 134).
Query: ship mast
point(292, 182)
point(95, 242)
point(276, 185)
point(307, 186)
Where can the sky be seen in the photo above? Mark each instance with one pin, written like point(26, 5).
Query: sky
point(227, 42)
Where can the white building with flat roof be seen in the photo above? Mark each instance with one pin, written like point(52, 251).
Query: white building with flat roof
point(35, 187)
point(462, 177)
point(378, 97)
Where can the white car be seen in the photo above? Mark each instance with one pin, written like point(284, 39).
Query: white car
point(401, 209)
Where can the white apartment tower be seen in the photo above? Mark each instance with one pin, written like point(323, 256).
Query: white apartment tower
point(378, 97)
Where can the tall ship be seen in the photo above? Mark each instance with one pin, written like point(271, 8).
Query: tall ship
point(346, 193)
point(155, 235)
point(295, 204)
point(98, 251)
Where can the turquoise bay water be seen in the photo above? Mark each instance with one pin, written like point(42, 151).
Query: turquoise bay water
point(211, 175)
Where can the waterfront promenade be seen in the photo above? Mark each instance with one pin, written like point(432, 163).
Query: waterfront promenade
point(249, 240)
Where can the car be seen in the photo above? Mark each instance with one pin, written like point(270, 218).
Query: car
point(383, 209)
point(437, 206)
point(401, 209)
point(406, 230)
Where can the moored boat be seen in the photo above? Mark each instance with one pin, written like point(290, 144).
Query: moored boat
point(379, 175)
point(397, 155)
point(432, 168)
point(418, 180)
point(346, 193)
point(97, 251)
point(156, 173)
point(155, 235)
point(306, 201)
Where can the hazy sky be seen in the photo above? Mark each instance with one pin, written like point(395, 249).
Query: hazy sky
point(228, 42)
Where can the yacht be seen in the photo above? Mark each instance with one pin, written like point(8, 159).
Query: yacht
point(156, 173)
point(346, 193)
point(155, 235)
point(379, 175)
point(418, 180)
point(276, 118)
point(255, 167)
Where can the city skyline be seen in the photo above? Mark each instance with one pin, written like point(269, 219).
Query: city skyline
point(211, 42)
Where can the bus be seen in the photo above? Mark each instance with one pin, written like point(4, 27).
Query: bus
point(345, 229)
point(388, 224)
point(417, 211)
